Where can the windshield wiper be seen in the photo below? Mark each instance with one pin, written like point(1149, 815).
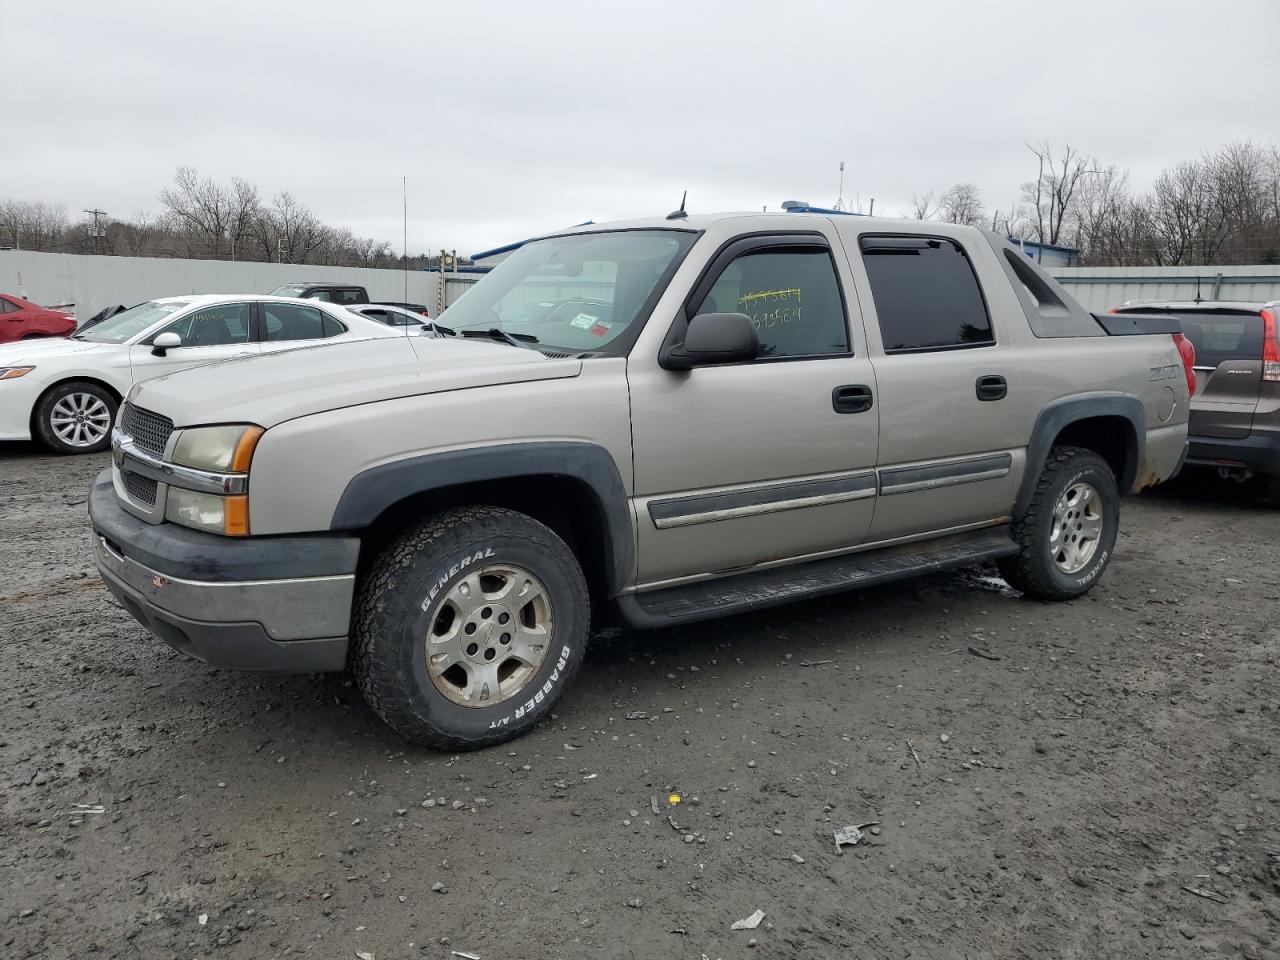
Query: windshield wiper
point(522, 340)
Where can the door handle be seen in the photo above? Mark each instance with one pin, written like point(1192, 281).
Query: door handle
point(852, 398)
point(991, 388)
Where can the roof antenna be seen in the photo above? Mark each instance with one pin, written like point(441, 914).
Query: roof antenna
point(680, 214)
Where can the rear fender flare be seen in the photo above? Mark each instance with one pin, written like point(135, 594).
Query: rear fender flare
point(1061, 413)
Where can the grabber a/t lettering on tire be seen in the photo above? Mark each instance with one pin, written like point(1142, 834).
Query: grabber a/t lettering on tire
point(1069, 531)
point(469, 626)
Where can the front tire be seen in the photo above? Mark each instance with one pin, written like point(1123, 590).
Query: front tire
point(1068, 533)
point(468, 628)
point(76, 417)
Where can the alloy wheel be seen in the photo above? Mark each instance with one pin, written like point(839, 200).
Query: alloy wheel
point(489, 635)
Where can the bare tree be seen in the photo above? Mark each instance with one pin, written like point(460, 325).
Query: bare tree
point(136, 234)
point(962, 203)
point(1244, 182)
point(27, 225)
point(201, 206)
point(922, 207)
point(243, 198)
point(1188, 222)
point(1052, 193)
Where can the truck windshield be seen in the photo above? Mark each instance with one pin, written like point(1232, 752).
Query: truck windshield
point(288, 290)
point(128, 323)
point(579, 293)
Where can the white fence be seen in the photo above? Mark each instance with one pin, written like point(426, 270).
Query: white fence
point(91, 283)
point(1101, 288)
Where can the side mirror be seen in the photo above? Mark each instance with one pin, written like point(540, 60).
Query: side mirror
point(165, 342)
point(713, 338)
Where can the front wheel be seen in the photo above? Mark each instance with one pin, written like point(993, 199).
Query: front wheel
point(76, 417)
point(1068, 533)
point(469, 627)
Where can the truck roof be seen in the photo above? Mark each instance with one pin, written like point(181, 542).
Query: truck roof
point(701, 221)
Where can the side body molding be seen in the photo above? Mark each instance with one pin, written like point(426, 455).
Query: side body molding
point(1065, 411)
point(372, 491)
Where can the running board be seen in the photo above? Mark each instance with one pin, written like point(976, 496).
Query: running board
point(745, 592)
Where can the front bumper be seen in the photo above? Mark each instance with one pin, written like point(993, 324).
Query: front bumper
point(1259, 452)
point(278, 604)
point(17, 401)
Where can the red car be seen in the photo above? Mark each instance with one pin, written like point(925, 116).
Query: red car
point(20, 319)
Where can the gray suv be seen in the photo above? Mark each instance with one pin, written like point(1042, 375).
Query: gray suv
point(1235, 412)
point(658, 422)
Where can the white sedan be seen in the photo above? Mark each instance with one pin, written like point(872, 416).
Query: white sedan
point(66, 391)
point(406, 321)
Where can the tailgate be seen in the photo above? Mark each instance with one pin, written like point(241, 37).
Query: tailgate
point(1228, 372)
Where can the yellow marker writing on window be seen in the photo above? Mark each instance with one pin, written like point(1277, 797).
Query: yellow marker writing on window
point(770, 294)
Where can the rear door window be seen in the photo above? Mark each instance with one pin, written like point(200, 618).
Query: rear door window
point(926, 294)
point(290, 321)
point(348, 295)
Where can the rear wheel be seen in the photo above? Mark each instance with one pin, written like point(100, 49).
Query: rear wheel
point(468, 628)
point(76, 417)
point(1069, 530)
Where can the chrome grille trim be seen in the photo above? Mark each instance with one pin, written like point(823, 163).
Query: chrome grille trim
point(130, 458)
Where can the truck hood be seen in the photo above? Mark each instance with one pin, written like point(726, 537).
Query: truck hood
point(272, 388)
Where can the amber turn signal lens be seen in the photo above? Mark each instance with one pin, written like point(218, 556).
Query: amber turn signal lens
point(244, 449)
point(236, 517)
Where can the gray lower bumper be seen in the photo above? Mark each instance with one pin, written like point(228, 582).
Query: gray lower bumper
point(294, 622)
point(238, 645)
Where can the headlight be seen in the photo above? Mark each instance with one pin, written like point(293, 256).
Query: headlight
point(228, 516)
point(13, 373)
point(221, 449)
point(218, 450)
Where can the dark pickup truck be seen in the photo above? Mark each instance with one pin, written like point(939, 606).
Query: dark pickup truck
point(343, 294)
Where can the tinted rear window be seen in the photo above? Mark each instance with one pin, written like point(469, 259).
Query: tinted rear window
point(1219, 337)
point(927, 296)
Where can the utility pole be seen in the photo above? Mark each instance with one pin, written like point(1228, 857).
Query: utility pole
point(96, 229)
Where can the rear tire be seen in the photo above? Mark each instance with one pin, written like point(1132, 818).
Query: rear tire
point(1068, 532)
point(76, 417)
point(468, 628)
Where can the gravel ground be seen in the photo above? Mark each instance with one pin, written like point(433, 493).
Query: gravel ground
point(1100, 784)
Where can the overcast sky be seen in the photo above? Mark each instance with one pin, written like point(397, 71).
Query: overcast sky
point(511, 119)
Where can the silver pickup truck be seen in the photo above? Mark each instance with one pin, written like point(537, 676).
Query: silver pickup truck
point(658, 421)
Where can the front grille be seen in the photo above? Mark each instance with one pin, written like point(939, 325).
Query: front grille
point(150, 431)
point(141, 489)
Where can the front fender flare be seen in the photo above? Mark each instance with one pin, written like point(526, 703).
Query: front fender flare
point(371, 492)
